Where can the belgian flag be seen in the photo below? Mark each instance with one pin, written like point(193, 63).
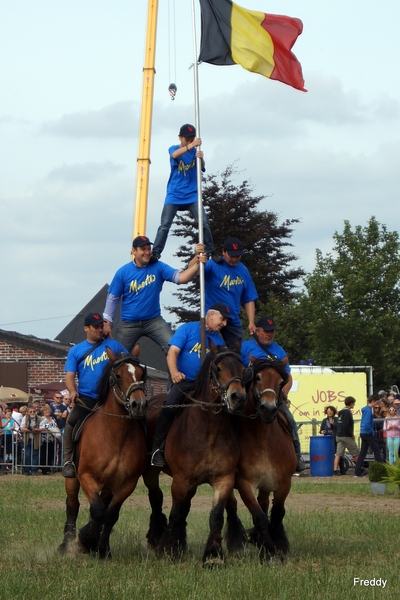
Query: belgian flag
point(257, 41)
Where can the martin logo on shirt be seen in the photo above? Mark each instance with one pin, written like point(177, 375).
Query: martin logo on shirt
point(228, 282)
point(185, 168)
point(91, 362)
point(197, 348)
point(135, 287)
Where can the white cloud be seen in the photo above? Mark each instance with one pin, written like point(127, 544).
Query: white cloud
point(115, 120)
point(86, 173)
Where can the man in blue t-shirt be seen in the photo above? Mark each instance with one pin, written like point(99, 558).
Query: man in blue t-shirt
point(230, 282)
point(264, 346)
point(182, 190)
point(86, 361)
point(138, 284)
point(184, 362)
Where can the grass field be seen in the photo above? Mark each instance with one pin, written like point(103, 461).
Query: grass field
point(337, 529)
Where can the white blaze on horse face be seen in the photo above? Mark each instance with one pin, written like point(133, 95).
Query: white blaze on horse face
point(132, 371)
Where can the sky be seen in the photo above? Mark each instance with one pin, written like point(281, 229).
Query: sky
point(71, 84)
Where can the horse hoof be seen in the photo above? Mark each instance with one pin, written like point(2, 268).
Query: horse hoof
point(253, 536)
point(213, 562)
point(62, 548)
point(275, 561)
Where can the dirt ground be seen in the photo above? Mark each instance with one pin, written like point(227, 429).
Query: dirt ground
point(296, 502)
point(309, 502)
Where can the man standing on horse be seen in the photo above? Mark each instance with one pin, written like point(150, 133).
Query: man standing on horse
point(230, 282)
point(87, 361)
point(182, 190)
point(263, 346)
point(184, 362)
point(139, 284)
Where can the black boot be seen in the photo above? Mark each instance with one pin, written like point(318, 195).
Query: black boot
point(165, 418)
point(301, 466)
point(68, 469)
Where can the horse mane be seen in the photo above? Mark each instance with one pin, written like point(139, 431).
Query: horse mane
point(260, 363)
point(103, 384)
point(201, 383)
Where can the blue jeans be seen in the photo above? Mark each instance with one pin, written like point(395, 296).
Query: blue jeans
point(368, 440)
point(168, 215)
point(31, 458)
point(231, 333)
point(128, 332)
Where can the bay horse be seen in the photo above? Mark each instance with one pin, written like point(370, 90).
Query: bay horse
point(267, 462)
point(111, 455)
point(201, 447)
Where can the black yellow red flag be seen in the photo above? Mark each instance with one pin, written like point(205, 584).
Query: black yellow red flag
point(257, 41)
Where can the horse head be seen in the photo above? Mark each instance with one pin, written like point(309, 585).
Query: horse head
point(127, 379)
point(268, 380)
point(226, 372)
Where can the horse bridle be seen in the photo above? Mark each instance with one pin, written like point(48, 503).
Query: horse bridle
point(216, 386)
point(257, 395)
point(118, 392)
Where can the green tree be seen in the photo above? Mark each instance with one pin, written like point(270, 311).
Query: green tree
point(352, 301)
point(233, 211)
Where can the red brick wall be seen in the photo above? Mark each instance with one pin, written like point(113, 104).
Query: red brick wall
point(42, 368)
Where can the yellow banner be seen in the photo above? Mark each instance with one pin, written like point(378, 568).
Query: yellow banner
point(311, 393)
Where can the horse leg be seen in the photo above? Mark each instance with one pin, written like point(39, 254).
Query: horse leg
point(173, 541)
point(72, 487)
point(89, 535)
point(235, 535)
point(263, 501)
point(213, 554)
point(110, 518)
point(276, 528)
point(113, 505)
point(158, 521)
point(262, 539)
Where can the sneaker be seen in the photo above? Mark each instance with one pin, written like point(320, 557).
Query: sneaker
point(215, 257)
point(158, 459)
point(336, 472)
point(154, 258)
point(359, 474)
point(68, 470)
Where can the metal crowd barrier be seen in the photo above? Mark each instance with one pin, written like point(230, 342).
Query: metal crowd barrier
point(19, 458)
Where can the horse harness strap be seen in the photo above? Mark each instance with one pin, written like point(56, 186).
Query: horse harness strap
point(216, 386)
point(222, 390)
point(116, 389)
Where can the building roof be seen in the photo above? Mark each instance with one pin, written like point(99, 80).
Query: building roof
point(150, 353)
point(30, 342)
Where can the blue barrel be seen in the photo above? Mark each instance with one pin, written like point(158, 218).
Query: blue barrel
point(322, 454)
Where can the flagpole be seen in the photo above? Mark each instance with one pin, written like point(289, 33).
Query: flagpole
point(199, 186)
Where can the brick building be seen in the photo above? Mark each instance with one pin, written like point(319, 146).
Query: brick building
point(27, 362)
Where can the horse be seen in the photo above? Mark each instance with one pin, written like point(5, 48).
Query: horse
point(201, 447)
point(267, 462)
point(111, 455)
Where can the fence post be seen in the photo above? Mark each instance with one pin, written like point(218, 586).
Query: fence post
point(314, 427)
